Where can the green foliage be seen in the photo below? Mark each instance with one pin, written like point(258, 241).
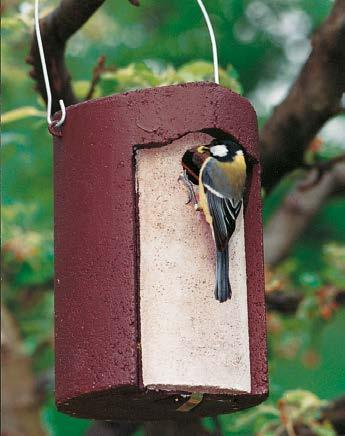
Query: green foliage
point(58, 424)
point(141, 75)
point(20, 113)
point(155, 45)
point(138, 76)
point(295, 409)
point(334, 272)
point(27, 254)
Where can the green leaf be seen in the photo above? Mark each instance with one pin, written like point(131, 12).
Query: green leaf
point(11, 23)
point(21, 113)
point(143, 75)
point(310, 279)
point(203, 71)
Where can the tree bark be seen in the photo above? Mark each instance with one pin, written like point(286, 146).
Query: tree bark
point(298, 209)
point(56, 28)
point(314, 98)
point(20, 405)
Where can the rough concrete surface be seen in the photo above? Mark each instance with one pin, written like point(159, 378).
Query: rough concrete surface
point(97, 312)
point(188, 338)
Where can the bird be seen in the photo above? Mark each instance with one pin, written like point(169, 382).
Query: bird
point(219, 169)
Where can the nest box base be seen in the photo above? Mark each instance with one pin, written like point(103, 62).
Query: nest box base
point(152, 405)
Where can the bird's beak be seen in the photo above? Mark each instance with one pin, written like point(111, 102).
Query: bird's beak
point(202, 149)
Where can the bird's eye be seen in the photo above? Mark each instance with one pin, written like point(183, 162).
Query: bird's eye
point(202, 149)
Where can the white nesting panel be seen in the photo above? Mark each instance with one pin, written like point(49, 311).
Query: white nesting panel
point(188, 338)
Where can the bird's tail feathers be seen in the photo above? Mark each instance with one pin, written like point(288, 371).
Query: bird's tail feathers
point(223, 289)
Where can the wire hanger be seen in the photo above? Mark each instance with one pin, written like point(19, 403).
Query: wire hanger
point(62, 105)
point(45, 75)
point(213, 41)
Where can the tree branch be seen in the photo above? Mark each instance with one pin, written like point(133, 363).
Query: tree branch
point(287, 303)
point(313, 99)
point(97, 72)
point(56, 29)
point(335, 413)
point(20, 405)
point(321, 168)
point(299, 207)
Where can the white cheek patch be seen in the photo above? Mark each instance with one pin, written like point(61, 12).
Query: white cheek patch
point(219, 150)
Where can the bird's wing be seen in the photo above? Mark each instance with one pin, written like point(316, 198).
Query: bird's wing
point(218, 180)
point(223, 222)
point(223, 210)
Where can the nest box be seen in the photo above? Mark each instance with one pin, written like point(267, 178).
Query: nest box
point(139, 334)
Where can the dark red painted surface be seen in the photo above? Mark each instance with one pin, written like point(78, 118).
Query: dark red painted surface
point(97, 354)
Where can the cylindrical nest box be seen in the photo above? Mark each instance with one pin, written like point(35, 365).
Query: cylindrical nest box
point(139, 333)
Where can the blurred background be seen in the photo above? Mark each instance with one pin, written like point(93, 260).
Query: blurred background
point(262, 46)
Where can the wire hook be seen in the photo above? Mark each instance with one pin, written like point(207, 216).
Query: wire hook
point(62, 105)
point(45, 74)
point(213, 41)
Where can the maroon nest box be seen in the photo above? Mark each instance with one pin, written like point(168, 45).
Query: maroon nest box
point(139, 334)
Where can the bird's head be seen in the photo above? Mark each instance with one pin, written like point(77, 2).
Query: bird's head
point(222, 150)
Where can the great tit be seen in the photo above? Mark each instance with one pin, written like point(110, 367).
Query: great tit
point(219, 169)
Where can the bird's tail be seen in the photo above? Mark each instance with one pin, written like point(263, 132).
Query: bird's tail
point(223, 290)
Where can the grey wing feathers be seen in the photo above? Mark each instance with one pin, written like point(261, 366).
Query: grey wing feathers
point(224, 208)
point(223, 218)
point(213, 179)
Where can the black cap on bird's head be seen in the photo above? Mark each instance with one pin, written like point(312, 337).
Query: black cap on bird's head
point(222, 149)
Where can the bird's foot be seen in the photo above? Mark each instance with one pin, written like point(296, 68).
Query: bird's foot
point(189, 185)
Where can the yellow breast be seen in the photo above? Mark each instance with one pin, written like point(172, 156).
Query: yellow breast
point(202, 196)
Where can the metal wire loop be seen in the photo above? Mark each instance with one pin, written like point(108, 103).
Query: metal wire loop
point(61, 103)
point(45, 75)
point(213, 41)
